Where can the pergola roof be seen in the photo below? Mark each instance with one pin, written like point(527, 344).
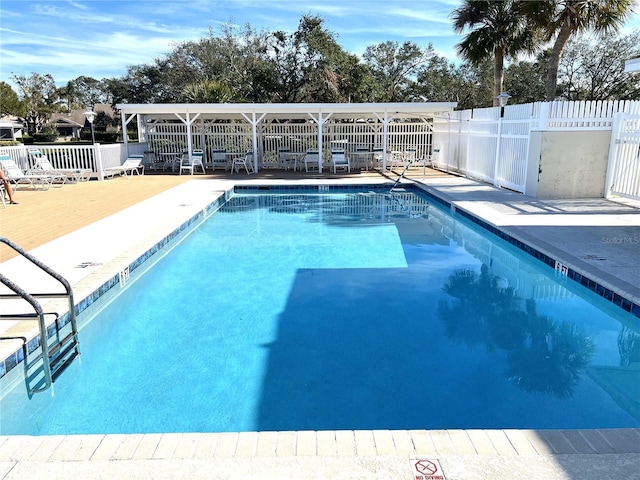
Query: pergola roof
point(292, 111)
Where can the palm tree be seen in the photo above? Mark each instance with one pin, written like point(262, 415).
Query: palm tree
point(563, 19)
point(498, 30)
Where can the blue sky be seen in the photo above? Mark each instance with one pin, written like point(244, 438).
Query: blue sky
point(100, 38)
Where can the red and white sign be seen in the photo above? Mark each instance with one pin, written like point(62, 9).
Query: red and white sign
point(426, 469)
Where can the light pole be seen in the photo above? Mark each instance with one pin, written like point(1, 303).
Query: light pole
point(503, 98)
point(91, 116)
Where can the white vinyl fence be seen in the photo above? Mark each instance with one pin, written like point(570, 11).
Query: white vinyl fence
point(623, 175)
point(492, 144)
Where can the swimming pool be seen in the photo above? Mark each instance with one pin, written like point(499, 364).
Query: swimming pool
point(358, 310)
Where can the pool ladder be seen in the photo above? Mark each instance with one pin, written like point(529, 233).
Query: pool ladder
point(57, 352)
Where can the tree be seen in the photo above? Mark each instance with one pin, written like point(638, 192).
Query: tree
point(441, 81)
point(84, 92)
point(594, 70)
point(563, 19)
point(525, 81)
point(311, 66)
point(499, 30)
point(39, 96)
point(10, 104)
point(207, 91)
point(395, 67)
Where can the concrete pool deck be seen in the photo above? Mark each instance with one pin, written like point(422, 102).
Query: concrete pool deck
point(598, 237)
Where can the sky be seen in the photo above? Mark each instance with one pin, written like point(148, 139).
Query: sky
point(100, 38)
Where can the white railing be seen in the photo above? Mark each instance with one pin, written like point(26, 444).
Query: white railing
point(94, 157)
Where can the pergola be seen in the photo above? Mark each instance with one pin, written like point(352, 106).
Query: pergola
point(255, 113)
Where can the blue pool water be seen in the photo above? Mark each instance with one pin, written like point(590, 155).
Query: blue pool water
point(343, 311)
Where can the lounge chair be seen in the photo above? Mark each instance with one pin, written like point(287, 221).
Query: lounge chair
point(133, 164)
point(340, 160)
point(190, 162)
point(44, 167)
point(16, 176)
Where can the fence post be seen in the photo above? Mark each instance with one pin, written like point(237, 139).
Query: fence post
point(543, 121)
point(613, 160)
point(97, 157)
point(496, 164)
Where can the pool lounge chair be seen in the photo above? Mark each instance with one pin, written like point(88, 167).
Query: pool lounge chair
point(44, 167)
point(340, 160)
point(16, 176)
point(133, 164)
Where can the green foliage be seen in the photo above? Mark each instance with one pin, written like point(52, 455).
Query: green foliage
point(394, 67)
point(10, 104)
point(498, 30)
point(39, 96)
point(592, 68)
point(9, 143)
point(48, 133)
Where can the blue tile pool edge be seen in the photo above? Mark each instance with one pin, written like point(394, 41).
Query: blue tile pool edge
point(557, 264)
point(14, 359)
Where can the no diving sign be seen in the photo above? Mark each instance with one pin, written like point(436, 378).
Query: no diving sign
point(426, 469)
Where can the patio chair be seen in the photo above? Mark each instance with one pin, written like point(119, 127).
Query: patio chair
point(311, 160)
point(219, 159)
point(284, 159)
point(43, 166)
point(190, 162)
point(16, 176)
point(245, 161)
point(339, 160)
point(377, 158)
point(133, 164)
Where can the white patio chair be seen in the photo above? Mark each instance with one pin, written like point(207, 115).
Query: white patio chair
point(311, 160)
point(14, 175)
point(377, 158)
point(191, 162)
point(43, 166)
point(133, 164)
point(340, 160)
point(219, 159)
point(284, 159)
point(245, 161)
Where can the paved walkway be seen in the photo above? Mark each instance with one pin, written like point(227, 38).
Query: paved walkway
point(593, 235)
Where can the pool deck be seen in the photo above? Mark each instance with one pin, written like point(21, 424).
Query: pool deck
point(90, 231)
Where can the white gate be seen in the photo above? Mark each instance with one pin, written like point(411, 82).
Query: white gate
point(623, 173)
